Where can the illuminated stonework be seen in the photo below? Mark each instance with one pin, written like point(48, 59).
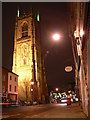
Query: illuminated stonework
point(26, 35)
point(22, 56)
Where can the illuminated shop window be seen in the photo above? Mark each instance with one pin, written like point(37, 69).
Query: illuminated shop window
point(24, 30)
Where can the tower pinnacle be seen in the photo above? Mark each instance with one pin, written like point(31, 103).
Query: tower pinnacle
point(18, 13)
point(38, 17)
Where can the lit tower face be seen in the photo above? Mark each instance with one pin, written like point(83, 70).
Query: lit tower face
point(22, 55)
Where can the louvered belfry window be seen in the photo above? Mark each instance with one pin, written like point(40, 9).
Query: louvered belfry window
point(24, 30)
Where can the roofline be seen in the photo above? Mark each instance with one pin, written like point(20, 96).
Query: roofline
point(8, 70)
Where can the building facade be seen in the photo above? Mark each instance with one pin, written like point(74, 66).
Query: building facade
point(9, 85)
point(78, 28)
point(27, 58)
point(12, 86)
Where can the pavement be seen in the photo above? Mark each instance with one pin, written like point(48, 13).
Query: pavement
point(44, 111)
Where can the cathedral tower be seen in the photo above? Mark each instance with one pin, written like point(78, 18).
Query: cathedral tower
point(27, 61)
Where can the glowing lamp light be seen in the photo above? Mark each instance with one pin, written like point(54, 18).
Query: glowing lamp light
point(76, 99)
point(71, 100)
point(75, 33)
point(69, 91)
point(31, 89)
point(56, 37)
point(81, 33)
point(32, 83)
point(47, 51)
point(56, 89)
point(68, 68)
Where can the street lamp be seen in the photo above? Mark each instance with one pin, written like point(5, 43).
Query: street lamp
point(81, 33)
point(56, 89)
point(56, 37)
point(32, 83)
point(31, 89)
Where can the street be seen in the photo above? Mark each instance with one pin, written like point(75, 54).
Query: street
point(44, 111)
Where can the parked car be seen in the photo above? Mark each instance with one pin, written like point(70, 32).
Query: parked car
point(35, 103)
point(64, 100)
point(5, 102)
point(21, 102)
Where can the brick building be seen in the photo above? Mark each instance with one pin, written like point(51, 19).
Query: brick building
point(9, 85)
point(79, 28)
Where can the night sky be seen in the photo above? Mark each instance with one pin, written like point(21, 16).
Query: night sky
point(52, 20)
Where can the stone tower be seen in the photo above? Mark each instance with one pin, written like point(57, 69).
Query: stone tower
point(27, 58)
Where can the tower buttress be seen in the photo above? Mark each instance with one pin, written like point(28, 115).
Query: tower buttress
point(14, 53)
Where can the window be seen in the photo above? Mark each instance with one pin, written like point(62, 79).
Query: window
point(10, 77)
point(15, 89)
point(24, 30)
point(15, 79)
point(10, 88)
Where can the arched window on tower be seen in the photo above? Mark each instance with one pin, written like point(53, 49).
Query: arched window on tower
point(24, 30)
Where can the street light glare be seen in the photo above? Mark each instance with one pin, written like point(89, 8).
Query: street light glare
point(81, 33)
point(56, 36)
point(56, 89)
point(32, 83)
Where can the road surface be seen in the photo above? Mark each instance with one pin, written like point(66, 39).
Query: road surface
point(44, 111)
